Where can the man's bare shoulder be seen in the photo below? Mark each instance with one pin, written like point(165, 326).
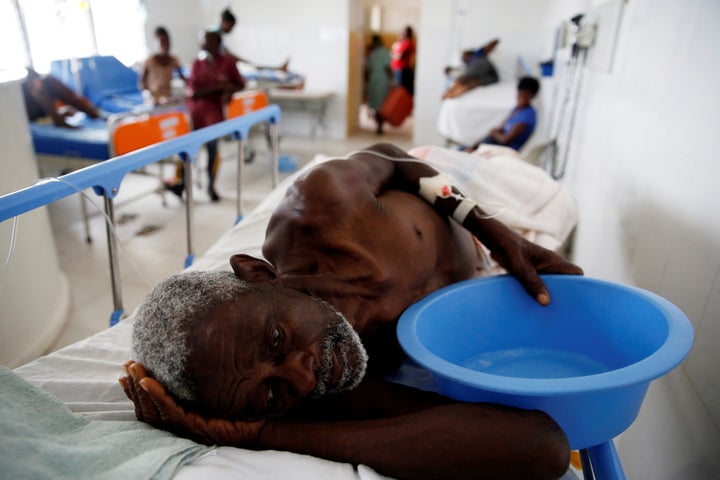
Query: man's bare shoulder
point(354, 182)
point(323, 195)
point(334, 181)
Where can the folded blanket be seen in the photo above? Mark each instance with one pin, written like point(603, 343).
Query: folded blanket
point(41, 438)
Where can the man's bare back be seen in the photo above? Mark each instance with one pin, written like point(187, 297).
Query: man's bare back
point(326, 238)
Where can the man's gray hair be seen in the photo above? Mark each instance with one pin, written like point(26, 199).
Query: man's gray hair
point(166, 319)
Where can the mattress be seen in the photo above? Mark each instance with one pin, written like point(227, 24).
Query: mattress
point(270, 77)
point(89, 141)
point(104, 80)
point(468, 118)
point(84, 375)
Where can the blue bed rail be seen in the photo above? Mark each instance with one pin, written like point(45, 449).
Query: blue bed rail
point(105, 179)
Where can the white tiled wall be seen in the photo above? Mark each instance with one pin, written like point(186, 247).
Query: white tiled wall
point(446, 28)
point(312, 34)
point(645, 168)
point(644, 165)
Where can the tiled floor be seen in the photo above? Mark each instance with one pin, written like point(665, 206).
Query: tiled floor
point(152, 236)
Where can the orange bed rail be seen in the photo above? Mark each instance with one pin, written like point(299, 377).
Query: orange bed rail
point(137, 132)
point(245, 102)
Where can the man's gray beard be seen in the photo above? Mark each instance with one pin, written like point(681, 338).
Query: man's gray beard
point(344, 341)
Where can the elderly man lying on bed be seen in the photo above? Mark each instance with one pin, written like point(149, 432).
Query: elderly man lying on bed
point(269, 357)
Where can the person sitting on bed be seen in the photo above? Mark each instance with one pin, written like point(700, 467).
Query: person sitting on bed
point(249, 358)
point(213, 80)
point(49, 97)
point(478, 70)
point(520, 124)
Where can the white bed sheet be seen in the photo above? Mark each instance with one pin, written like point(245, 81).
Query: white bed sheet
point(85, 375)
point(468, 118)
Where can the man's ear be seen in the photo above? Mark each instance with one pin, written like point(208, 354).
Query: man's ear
point(254, 270)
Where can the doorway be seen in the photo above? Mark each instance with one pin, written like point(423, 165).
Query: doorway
point(387, 19)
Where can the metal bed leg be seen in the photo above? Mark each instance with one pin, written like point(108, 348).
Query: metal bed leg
point(266, 132)
point(275, 153)
point(114, 267)
point(586, 465)
point(161, 179)
point(189, 212)
point(319, 120)
point(601, 462)
point(239, 180)
point(605, 462)
point(86, 222)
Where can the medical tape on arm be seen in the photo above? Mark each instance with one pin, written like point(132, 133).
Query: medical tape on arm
point(440, 186)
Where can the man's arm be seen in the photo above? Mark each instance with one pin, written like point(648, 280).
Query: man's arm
point(456, 440)
point(144, 76)
point(396, 430)
point(178, 68)
point(236, 58)
point(520, 257)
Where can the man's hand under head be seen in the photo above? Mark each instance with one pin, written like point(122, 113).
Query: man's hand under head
point(155, 406)
point(398, 431)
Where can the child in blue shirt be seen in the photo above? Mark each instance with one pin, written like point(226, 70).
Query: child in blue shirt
point(521, 122)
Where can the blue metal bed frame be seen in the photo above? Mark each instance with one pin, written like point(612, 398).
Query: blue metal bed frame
point(105, 179)
point(91, 142)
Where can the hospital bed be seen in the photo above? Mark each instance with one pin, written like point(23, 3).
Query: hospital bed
point(105, 177)
point(103, 79)
point(83, 376)
point(464, 120)
point(265, 78)
point(96, 140)
point(312, 103)
point(468, 118)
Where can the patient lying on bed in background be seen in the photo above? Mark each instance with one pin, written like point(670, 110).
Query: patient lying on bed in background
point(290, 353)
point(49, 97)
point(477, 70)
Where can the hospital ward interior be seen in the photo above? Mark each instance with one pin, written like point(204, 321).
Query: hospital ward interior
point(581, 129)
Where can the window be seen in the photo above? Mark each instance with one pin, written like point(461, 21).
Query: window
point(58, 29)
point(14, 56)
point(120, 29)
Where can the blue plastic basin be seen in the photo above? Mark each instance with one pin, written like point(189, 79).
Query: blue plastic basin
point(586, 359)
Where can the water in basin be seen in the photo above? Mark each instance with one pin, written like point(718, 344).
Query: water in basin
point(534, 363)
